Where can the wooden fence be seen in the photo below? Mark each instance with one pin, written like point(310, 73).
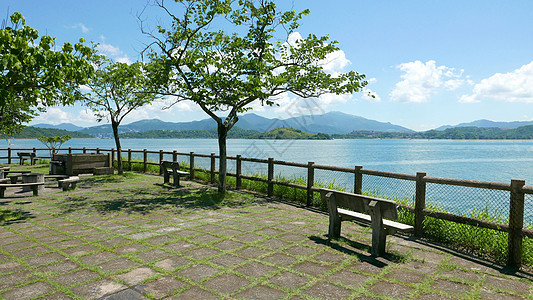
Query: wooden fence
point(516, 188)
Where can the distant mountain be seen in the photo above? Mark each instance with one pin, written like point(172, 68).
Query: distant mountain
point(489, 124)
point(330, 123)
point(64, 126)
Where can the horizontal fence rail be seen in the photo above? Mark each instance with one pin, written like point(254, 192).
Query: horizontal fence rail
point(517, 190)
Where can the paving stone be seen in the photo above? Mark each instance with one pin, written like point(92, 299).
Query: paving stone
point(14, 279)
point(406, 276)
point(58, 296)
point(270, 232)
point(274, 244)
point(162, 287)
point(159, 240)
point(204, 238)
point(33, 251)
point(492, 295)
point(228, 232)
point(117, 265)
point(324, 290)
point(349, 278)
point(515, 286)
point(252, 252)
point(289, 280)
point(255, 269)
point(312, 268)
point(152, 255)
point(195, 293)
point(180, 246)
point(76, 277)
point(58, 268)
point(202, 253)
point(80, 250)
point(469, 277)
point(208, 228)
point(142, 235)
point(226, 283)
point(261, 292)
point(450, 287)
point(423, 267)
point(184, 233)
point(137, 276)
point(227, 245)
point(435, 296)
point(10, 266)
point(18, 245)
point(44, 259)
point(367, 267)
point(293, 237)
point(97, 258)
point(332, 257)
point(280, 259)
point(98, 289)
point(198, 272)
point(15, 239)
point(168, 229)
point(29, 291)
point(227, 260)
point(249, 237)
point(301, 250)
point(388, 289)
point(114, 242)
point(130, 248)
point(172, 263)
point(67, 243)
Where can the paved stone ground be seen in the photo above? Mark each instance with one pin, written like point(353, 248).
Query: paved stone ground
point(258, 249)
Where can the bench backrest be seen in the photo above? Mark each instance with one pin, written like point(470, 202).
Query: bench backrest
point(29, 154)
point(360, 203)
point(174, 165)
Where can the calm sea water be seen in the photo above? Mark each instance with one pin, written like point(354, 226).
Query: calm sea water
point(498, 161)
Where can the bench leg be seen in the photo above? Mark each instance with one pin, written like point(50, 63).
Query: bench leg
point(379, 237)
point(35, 189)
point(65, 186)
point(2, 192)
point(73, 185)
point(334, 231)
point(165, 176)
point(176, 179)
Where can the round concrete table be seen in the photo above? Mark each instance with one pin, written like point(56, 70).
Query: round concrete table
point(32, 178)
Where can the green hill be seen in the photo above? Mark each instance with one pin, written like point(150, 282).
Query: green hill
point(35, 132)
point(292, 134)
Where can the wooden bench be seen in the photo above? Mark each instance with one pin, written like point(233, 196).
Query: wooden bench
point(347, 206)
point(34, 187)
point(172, 168)
point(5, 174)
point(27, 155)
point(68, 184)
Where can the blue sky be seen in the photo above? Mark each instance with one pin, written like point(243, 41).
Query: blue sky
point(429, 63)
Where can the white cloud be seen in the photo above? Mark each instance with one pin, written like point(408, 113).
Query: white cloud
point(421, 80)
point(114, 53)
point(515, 86)
point(81, 26)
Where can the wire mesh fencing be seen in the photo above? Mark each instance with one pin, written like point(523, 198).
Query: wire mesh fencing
point(400, 190)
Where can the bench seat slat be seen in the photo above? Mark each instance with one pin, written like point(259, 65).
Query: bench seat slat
point(364, 217)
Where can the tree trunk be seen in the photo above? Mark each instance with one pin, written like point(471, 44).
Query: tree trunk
point(114, 125)
point(222, 135)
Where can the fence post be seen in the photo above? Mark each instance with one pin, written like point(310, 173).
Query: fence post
point(420, 203)
point(84, 150)
point(160, 160)
point(270, 188)
point(175, 155)
point(358, 181)
point(69, 151)
point(145, 161)
point(238, 178)
point(9, 155)
point(212, 167)
point(129, 159)
point(516, 223)
point(191, 165)
point(310, 181)
point(112, 156)
point(97, 150)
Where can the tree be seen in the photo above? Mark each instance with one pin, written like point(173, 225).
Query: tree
point(35, 75)
point(54, 143)
point(116, 89)
point(225, 72)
